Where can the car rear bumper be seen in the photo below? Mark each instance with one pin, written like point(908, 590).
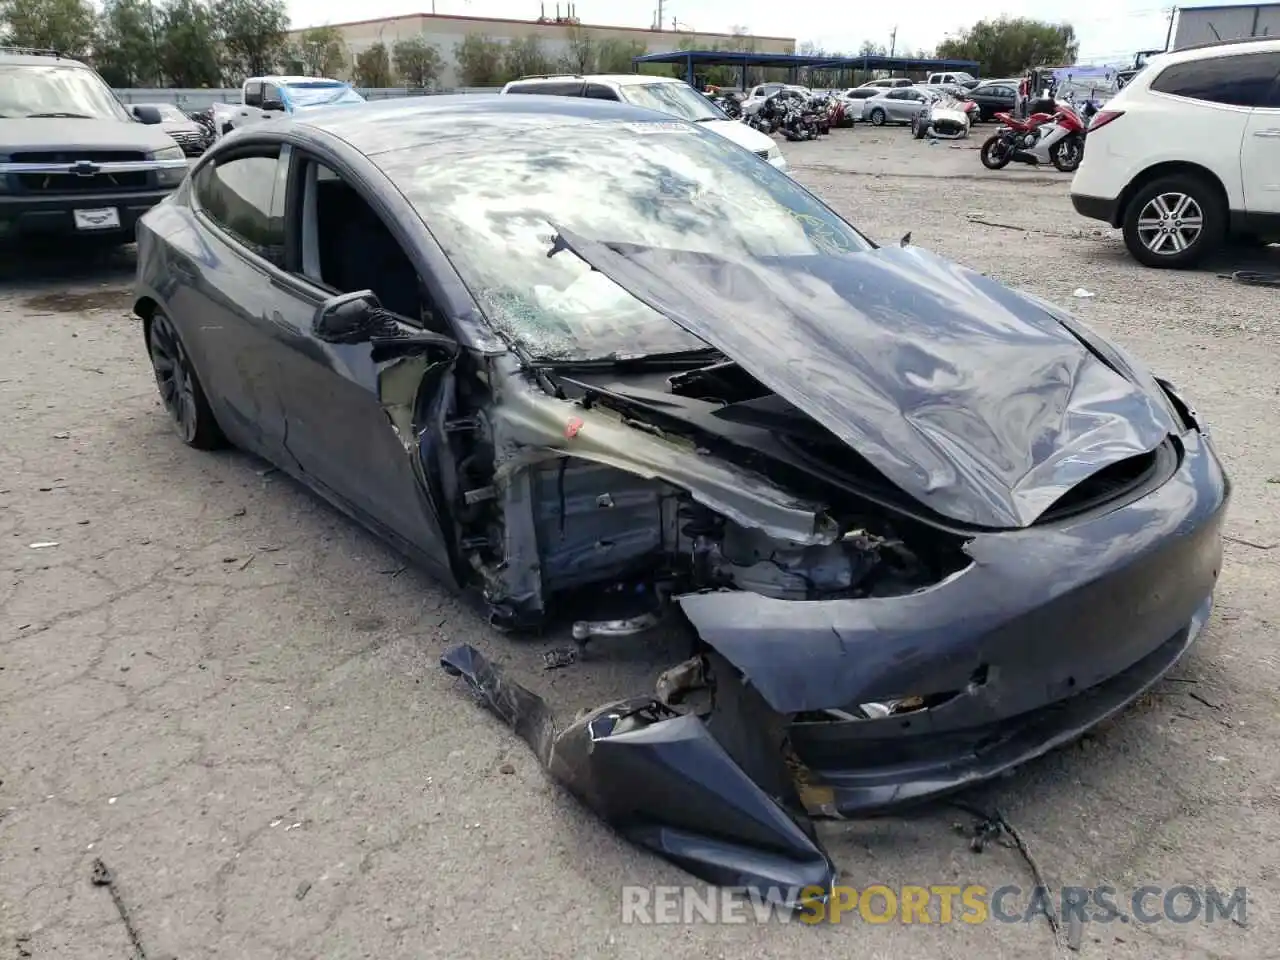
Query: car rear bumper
point(1048, 632)
point(23, 216)
point(1097, 208)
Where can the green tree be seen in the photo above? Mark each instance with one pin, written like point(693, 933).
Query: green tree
point(616, 56)
point(419, 63)
point(322, 50)
point(580, 55)
point(67, 26)
point(373, 67)
point(1008, 46)
point(253, 36)
point(127, 48)
point(479, 61)
point(525, 58)
point(291, 61)
point(189, 44)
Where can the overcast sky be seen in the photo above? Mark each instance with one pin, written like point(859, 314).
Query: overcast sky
point(1108, 29)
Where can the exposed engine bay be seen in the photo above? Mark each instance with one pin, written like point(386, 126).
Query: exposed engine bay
point(587, 523)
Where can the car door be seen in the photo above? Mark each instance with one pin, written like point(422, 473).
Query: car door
point(339, 429)
point(902, 104)
point(222, 298)
point(1260, 160)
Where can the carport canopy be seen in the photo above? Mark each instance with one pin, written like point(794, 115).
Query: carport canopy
point(796, 62)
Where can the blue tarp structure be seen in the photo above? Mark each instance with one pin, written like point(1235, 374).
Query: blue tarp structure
point(1083, 73)
point(793, 63)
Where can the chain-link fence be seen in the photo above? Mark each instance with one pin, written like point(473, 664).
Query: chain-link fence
point(200, 98)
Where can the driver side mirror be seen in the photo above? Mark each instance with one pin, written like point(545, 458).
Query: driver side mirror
point(146, 114)
point(273, 105)
point(347, 318)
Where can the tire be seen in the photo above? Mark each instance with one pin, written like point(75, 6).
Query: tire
point(877, 117)
point(919, 127)
point(181, 392)
point(1168, 208)
point(1067, 153)
point(993, 158)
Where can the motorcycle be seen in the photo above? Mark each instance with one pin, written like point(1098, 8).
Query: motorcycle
point(1042, 138)
point(731, 105)
point(204, 119)
point(789, 115)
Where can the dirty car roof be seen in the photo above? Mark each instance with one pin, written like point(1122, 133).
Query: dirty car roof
point(396, 124)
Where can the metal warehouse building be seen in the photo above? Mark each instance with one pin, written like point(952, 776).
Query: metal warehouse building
point(445, 32)
point(1198, 25)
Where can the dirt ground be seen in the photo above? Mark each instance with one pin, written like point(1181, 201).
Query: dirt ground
point(230, 694)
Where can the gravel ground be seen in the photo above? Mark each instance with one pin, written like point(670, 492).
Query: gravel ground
point(230, 694)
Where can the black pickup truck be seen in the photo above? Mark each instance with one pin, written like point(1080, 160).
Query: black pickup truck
point(73, 160)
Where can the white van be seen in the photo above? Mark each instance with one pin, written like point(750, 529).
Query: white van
point(960, 79)
point(664, 94)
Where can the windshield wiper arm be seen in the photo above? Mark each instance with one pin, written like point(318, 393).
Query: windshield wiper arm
point(61, 116)
point(680, 359)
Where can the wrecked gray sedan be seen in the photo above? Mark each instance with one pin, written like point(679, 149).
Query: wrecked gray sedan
point(588, 362)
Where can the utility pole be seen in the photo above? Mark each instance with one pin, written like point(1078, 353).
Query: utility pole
point(661, 9)
point(893, 41)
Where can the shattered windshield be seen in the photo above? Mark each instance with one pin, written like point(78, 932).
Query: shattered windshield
point(678, 99)
point(321, 94)
point(494, 196)
point(57, 92)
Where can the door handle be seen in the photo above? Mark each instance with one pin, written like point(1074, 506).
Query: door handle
point(1271, 132)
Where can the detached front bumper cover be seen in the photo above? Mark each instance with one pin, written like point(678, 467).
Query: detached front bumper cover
point(664, 782)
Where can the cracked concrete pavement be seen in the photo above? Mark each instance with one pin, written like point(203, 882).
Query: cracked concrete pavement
point(230, 693)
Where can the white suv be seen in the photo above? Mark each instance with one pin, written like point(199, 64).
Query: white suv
point(664, 94)
point(1187, 155)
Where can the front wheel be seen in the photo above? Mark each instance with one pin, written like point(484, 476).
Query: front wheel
point(919, 127)
point(1175, 222)
point(995, 153)
point(877, 117)
point(1067, 153)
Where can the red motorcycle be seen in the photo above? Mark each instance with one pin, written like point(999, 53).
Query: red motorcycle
point(1056, 138)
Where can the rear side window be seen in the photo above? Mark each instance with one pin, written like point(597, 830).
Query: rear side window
point(253, 94)
point(1245, 80)
point(597, 91)
point(240, 196)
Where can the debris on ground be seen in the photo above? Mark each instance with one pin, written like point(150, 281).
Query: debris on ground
point(1080, 293)
point(559, 657)
point(101, 877)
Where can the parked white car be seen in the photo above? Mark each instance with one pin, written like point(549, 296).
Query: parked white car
point(854, 98)
point(262, 98)
point(1188, 153)
point(763, 91)
point(895, 105)
point(958, 78)
point(664, 94)
point(889, 83)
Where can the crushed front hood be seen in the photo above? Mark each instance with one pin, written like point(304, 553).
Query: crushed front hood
point(967, 395)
